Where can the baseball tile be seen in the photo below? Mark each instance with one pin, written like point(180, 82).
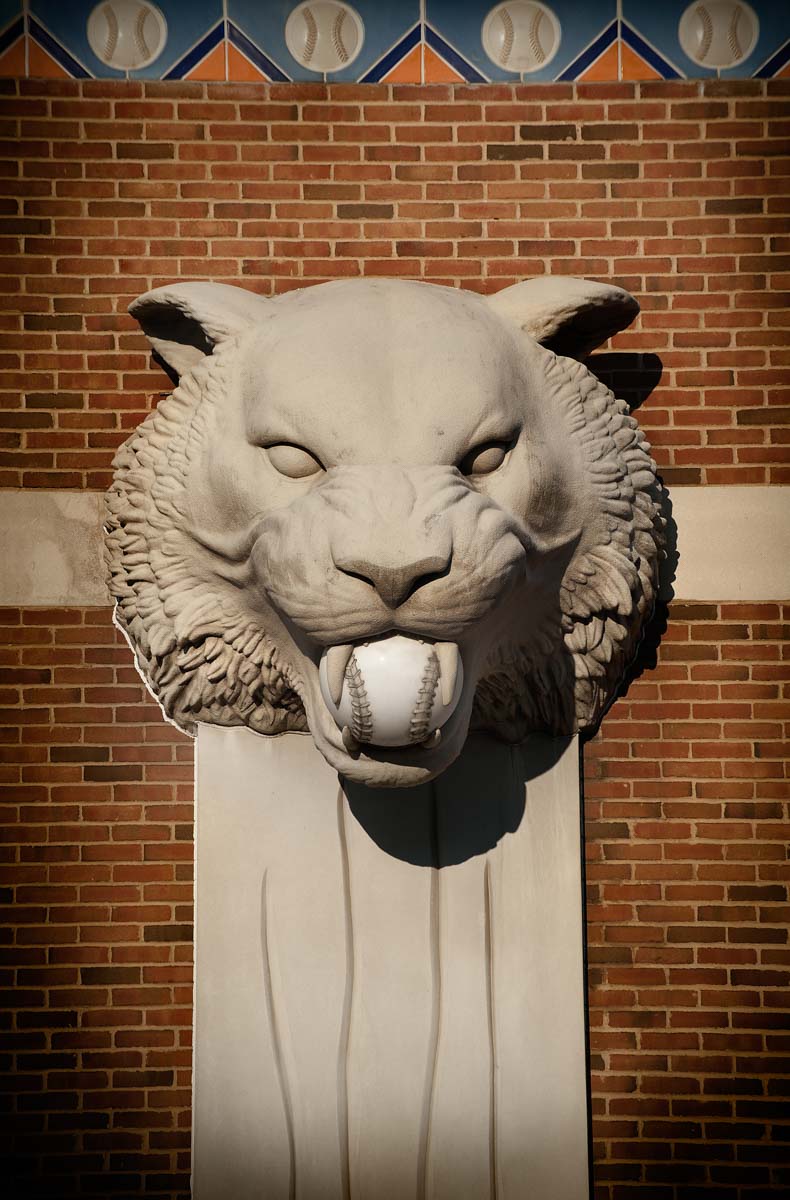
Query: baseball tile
point(385, 23)
point(556, 33)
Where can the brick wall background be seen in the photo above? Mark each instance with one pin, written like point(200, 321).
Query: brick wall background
point(679, 192)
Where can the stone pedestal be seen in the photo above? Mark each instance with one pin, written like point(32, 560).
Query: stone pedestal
point(390, 991)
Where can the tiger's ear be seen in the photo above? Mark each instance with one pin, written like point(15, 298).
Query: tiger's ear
point(185, 321)
point(567, 315)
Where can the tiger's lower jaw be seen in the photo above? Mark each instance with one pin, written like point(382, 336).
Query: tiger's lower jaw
point(395, 690)
point(393, 766)
point(388, 766)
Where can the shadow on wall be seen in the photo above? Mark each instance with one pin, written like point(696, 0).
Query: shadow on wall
point(463, 813)
point(632, 377)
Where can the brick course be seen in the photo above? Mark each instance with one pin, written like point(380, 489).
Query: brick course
point(687, 830)
point(686, 804)
point(676, 190)
point(96, 871)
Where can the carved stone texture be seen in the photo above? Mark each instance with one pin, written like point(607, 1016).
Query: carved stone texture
point(376, 459)
point(389, 995)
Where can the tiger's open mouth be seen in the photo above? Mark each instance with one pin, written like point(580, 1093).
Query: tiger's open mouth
point(391, 691)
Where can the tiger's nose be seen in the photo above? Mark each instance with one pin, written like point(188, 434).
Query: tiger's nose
point(395, 584)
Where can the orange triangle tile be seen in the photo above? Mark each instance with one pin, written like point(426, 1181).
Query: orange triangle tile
point(784, 73)
point(241, 70)
point(42, 66)
point(12, 63)
point(634, 67)
point(436, 70)
point(603, 70)
point(210, 67)
point(408, 70)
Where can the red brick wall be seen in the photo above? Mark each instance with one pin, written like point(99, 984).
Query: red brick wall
point(679, 192)
point(686, 802)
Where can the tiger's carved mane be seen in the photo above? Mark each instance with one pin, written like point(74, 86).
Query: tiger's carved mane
point(207, 660)
point(202, 655)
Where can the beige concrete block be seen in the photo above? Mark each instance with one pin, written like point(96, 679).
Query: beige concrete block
point(733, 543)
point(51, 548)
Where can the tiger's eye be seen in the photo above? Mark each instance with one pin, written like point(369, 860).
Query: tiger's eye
point(484, 459)
point(293, 461)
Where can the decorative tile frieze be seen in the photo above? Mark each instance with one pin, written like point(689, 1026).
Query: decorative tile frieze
point(395, 41)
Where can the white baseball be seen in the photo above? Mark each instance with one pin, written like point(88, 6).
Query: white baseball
point(324, 35)
point(718, 33)
point(127, 34)
point(392, 689)
point(522, 35)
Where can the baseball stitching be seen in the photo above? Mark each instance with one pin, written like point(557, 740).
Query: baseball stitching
point(732, 34)
point(337, 35)
point(534, 40)
point(421, 716)
point(112, 31)
point(507, 45)
point(361, 715)
point(142, 45)
point(707, 31)
point(312, 34)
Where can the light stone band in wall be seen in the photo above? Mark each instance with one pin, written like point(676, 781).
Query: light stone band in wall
point(51, 549)
point(733, 544)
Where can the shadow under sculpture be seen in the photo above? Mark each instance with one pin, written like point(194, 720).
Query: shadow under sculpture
point(407, 520)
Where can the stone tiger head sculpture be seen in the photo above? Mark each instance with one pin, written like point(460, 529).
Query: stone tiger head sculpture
point(367, 460)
